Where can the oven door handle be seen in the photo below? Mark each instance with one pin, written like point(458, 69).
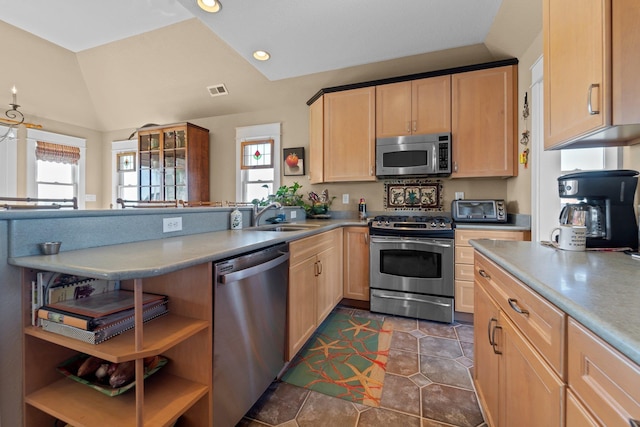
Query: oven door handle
point(396, 240)
point(385, 296)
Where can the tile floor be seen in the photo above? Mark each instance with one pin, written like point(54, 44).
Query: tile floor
point(427, 384)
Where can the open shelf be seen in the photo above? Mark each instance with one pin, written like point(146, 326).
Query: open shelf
point(159, 335)
point(166, 397)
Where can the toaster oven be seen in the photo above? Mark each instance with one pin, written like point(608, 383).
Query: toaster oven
point(479, 210)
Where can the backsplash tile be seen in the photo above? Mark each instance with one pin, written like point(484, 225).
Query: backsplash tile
point(413, 195)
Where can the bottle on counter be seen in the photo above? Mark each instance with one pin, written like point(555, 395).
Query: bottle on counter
point(362, 209)
point(236, 219)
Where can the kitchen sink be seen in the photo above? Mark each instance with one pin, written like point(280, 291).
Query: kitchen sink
point(284, 227)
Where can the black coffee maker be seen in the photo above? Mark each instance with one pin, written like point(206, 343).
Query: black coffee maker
point(604, 204)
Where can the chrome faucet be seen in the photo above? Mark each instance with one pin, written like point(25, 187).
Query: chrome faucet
point(258, 213)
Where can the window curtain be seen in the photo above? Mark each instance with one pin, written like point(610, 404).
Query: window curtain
point(57, 153)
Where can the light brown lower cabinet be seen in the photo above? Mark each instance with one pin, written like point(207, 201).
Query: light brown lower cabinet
point(464, 261)
point(577, 414)
point(606, 384)
point(356, 263)
point(527, 373)
point(315, 285)
point(516, 383)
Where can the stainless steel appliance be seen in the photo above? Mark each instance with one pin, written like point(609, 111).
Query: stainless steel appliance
point(250, 305)
point(411, 266)
point(414, 155)
point(479, 211)
point(603, 202)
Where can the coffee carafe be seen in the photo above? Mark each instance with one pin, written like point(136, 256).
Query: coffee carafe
point(603, 202)
point(589, 215)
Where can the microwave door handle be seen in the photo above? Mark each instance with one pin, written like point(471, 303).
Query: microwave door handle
point(434, 159)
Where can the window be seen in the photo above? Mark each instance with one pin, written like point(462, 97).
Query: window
point(56, 170)
point(589, 159)
point(124, 172)
point(56, 180)
point(55, 166)
point(258, 171)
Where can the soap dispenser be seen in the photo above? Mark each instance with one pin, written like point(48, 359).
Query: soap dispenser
point(236, 219)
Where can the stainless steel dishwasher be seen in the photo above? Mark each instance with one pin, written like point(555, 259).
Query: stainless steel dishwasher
point(250, 305)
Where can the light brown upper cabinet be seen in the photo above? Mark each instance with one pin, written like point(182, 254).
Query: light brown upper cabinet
point(316, 141)
point(414, 107)
point(591, 64)
point(483, 122)
point(344, 148)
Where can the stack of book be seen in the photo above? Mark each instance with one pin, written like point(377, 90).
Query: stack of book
point(90, 310)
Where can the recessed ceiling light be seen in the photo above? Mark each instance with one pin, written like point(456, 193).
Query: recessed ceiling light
point(261, 55)
point(211, 6)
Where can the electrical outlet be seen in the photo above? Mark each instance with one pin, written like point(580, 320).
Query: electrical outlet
point(294, 214)
point(171, 224)
point(345, 199)
point(459, 195)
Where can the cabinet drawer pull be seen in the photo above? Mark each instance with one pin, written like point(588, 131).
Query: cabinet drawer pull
point(319, 268)
point(484, 274)
point(514, 304)
point(589, 105)
point(316, 269)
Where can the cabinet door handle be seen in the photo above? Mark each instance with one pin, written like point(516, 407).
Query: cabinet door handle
point(408, 127)
point(589, 105)
point(484, 274)
point(316, 269)
point(455, 166)
point(415, 125)
point(489, 328)
point(492, 338)
point(319, 268)
point(366, 238)
point(514, 304)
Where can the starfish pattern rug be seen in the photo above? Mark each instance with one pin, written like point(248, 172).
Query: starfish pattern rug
point(346, 358)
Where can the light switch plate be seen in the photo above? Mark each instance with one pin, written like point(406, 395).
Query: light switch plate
point(345, 199)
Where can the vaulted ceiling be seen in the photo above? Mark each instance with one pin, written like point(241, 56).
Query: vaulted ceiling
point(119, 64)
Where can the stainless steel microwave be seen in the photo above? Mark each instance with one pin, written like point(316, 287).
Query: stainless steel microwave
point(414, 155)
point(478, 210)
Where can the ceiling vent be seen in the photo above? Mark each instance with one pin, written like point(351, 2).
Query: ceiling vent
point(217, 90)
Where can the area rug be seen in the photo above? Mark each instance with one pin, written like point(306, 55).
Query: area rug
point(346, 358)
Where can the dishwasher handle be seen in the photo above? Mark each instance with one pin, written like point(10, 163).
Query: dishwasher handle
point(252, 271)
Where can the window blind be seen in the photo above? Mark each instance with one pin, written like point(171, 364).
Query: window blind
point(49, 152)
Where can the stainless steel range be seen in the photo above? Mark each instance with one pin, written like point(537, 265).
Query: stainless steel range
point(411, 266)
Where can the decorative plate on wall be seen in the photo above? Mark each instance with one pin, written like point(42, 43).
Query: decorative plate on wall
point(413, 195)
